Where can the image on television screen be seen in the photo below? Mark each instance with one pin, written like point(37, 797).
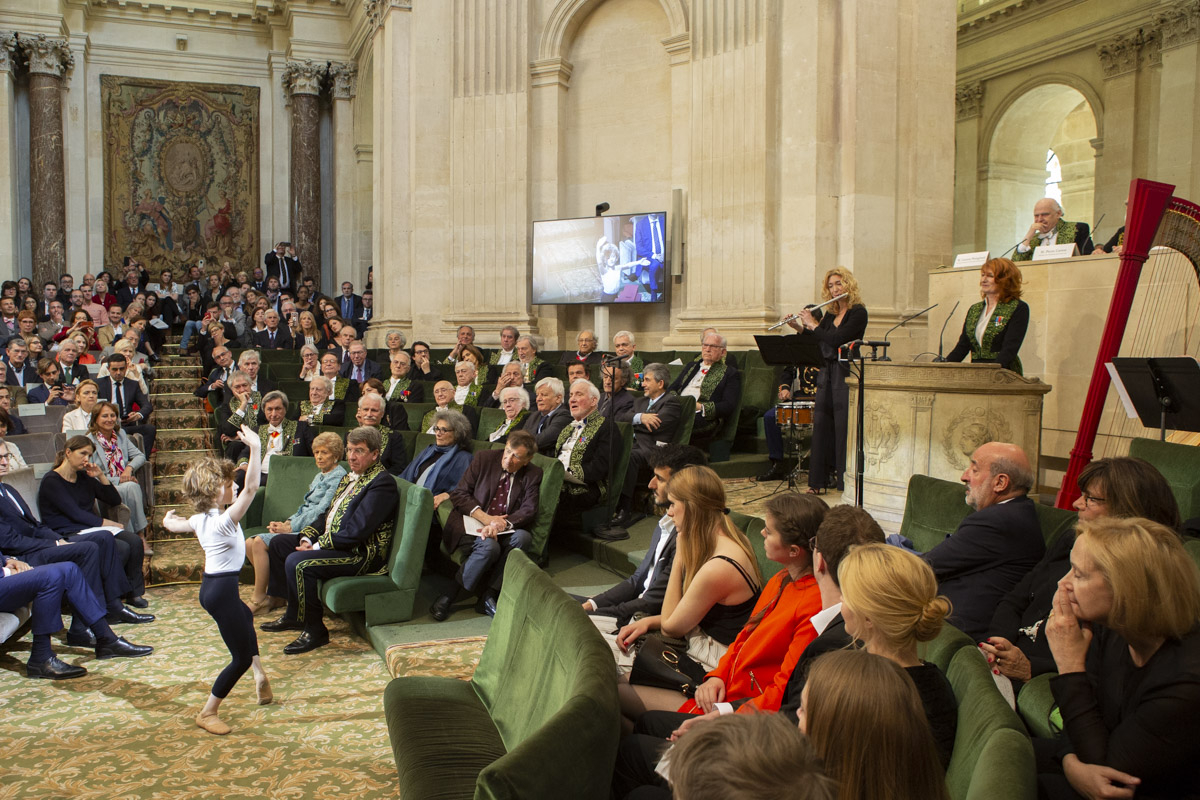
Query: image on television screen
point(616, 259)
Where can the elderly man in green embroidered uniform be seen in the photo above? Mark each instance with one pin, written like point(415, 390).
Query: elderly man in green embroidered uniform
point(352, 538)
point(1050, 228)
point(584, 448)
point(715, 385)
point(278, 435)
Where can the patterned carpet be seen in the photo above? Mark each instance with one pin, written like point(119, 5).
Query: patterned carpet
point(126, 729)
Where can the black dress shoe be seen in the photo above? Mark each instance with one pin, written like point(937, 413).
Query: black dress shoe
point(86, 639)
point(441, 608)
point(128, 616)
point(307, 641)
point(621, 519)
point(122, 649)
point(138, 602)
point(778, 471)
point(282, 624)
point(54, 669)
point(487, 604)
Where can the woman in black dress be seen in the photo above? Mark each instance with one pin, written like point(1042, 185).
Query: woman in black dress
point(843, 321)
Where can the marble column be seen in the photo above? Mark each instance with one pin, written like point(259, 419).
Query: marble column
point(391, 145)
point(48, 60)
point(344, 79)
point(1119, 58)
point(8, 165)
point(1178, 145)
point(302, 81)
point(968, 227)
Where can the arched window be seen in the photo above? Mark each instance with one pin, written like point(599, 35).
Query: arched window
point(1054, 178)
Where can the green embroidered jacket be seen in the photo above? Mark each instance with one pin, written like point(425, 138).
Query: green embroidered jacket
point(1064, 233)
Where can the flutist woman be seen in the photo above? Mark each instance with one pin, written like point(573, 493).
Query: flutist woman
point(844, 321)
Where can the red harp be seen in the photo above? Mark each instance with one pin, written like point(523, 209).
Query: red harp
point(1153, 218)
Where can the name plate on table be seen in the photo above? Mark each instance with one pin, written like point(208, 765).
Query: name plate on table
point(964, 260)
point(1049, 251)
point(32, 409)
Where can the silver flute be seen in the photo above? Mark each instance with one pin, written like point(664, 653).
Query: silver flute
point(791, 317)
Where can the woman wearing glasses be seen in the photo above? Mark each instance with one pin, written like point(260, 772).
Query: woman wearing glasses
point(439, 466)
point(1111, 487)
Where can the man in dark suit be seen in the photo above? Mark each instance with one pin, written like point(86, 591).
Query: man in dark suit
point(615, 399)
point(993, 547)
point(586, 354)
point(644, 590)
point(401, 387)
point(655, 417)
point(533, 368)
point(127, 394)
point(49, 295)
point(341, 348)
point(714, 384)
point(349, 305)
point(220, 375)
point(45, 587)
point(353, 537)
point(510, 376)
point(363, 320)
point(276, 336)
point(1050, 228)
point(499, 494)
point(551, 417)
point(282, 264)
point(249, 362)
point(96, 555)
point(127, 290)
point(18, 371)
point(358, 368)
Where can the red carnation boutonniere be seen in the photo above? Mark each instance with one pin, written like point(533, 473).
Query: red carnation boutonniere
point(404, 393)
point(274, 435)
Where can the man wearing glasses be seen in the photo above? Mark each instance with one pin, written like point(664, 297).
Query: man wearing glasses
point(714, 384)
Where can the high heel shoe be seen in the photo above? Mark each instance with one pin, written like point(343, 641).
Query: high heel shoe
point(816, 490)
point(263, 689)
point(260, 606)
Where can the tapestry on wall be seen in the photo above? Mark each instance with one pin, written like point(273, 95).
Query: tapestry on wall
point(180, 173)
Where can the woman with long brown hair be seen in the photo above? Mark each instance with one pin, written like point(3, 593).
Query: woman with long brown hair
point(864, 716)
point(844, 321)
point(995, 326)
point(712, 589)
point(118, 457)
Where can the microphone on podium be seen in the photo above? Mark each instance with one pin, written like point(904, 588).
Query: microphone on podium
point(941, 335)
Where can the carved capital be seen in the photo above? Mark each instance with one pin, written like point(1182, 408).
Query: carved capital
point(344, 75)
point(377, 10)
point(1126, 52)
point(8, 51)
point(968, 100)
point(304, 77)
point(46, 56)
point(551, 72)
point(1179, 24)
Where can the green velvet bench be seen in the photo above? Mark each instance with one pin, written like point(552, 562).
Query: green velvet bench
point(284, 493)
point(388, 598)
point(993, 756)
point(539, 719)
point(1180, 465)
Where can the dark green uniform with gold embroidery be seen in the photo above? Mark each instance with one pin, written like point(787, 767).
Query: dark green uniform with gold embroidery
point(1002, 337)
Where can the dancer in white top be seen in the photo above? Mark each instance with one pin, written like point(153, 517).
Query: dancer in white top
point(208, 485)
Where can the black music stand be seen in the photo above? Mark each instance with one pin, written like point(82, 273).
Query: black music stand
point(1165, 392)
point(797, 351)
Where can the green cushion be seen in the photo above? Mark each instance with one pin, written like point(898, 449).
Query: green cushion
point(284, 493)
point(417, 411)
point(553, 475)
point(687, 419)
point(941, 649)
point(593, 518)
point(1192, 546)
point(490, 419)
point(760, 391)
point(1034, 703)
point(932, 511)
point(389, 598)
point(1180, 465)
point(721, 445)
point(1054, 522)
point(540, 717)
point(991, 748)
point(753, 528)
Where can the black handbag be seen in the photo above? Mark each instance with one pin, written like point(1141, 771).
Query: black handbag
point(660, 664)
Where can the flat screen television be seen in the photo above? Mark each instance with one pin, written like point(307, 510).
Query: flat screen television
point(616, 259)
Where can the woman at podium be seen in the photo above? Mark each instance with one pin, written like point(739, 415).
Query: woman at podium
point(995, 327)
point(844, 321)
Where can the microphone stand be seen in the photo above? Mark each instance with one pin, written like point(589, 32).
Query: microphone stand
point(885, 343)
point(940, 358)
point(613, 361)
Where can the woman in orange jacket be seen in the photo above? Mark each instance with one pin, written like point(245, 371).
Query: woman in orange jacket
point(756, 667)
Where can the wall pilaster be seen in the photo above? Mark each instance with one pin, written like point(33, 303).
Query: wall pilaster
point(48, 60)
point(303, 81)
point(343, 88)
point(8, 155)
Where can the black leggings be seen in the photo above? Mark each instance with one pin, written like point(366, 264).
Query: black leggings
point(219, 597)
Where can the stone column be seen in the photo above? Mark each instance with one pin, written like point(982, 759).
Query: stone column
point(1120, 57)
point(302, 82)
point(8, 166)
point(1179, 97)
point(391, 224)
point(967, 227)
point(48, 60)
point(344, 81)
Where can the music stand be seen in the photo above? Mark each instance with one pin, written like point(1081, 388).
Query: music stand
point(1165, 392)
point(798, 351)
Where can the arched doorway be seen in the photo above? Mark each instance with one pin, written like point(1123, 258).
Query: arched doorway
point(1042, 146)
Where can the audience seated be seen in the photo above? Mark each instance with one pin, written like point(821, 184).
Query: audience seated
point(551, 417)
point(586, 352)
point(533, 369)
point(327, 450)
point(510, 375)
point(393, 454)
point(615, 401)
point(276, 336)
point(443, 398)
point(466, 338)
point(242, 408)
point(498, 493)
point(344, 389)
point(425, 369)
point(401, 387)
point(18, 371)
point(249, 363)
point(16, 427)
point(714, 384)
point(1109, 487)
point(278, 436)
point(467, 389)
point(995, 545)
point(754, 757)
point(440, 465)
point(713, 586)
point(354, 538)
point(67, 498)
point(576, 372)
point(219, 375)
point(625, 347)
point(655, 417)
point(320, 408)
point(310, 362)
point(585, 450)
point(358, 367)
point(515, 403)
point(54, 391)
point(1125, 634)
point(133, 405)
point(507, 351)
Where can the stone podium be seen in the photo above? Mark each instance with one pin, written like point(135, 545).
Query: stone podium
point(928, 418)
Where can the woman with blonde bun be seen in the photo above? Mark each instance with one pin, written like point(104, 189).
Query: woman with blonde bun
point(890, 604)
